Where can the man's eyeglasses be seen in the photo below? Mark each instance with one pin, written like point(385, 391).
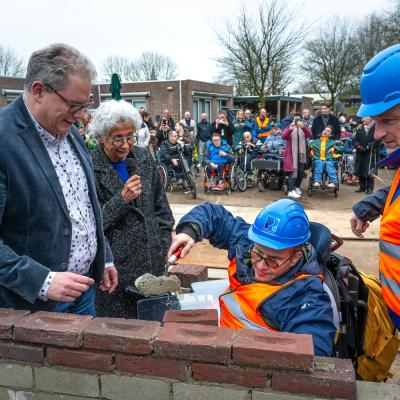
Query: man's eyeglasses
point(73, 108)
point(120, 140)
point(270, 261)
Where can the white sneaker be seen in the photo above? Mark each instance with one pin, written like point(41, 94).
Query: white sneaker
point(317, 184)
point(293, 194)
point(331, 185)
point(298, 191)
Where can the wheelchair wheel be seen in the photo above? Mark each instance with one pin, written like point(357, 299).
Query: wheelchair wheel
point(193, 192)
point(163, 175)
point(241, 180)
point(309, 191)
point(260, 185)
point(232, 177)
point(170, 187)
point(285, 188)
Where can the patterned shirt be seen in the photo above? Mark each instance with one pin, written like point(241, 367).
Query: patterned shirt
point(74, 185)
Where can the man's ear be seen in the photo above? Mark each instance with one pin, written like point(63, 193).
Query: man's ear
point(37, 91)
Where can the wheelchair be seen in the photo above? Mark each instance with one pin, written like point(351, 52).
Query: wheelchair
point(324, 187)
point(345, 171)
point(210, 183)
point(181, 177)
point(270, 173)
point(243, 171)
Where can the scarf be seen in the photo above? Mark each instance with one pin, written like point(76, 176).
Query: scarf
point(298, 149)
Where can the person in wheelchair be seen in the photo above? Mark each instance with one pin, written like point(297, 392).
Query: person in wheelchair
point(247, 150)
point(274, 144)
point(169, 156)
point(218, 154)
point(275, 278)
point(325, 153)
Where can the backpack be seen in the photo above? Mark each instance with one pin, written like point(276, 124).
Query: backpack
point(366, 333)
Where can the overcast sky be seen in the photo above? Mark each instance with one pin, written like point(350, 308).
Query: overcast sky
point(181, 29)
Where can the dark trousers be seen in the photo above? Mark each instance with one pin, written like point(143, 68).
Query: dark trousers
point(366, 183)
point(296, 182)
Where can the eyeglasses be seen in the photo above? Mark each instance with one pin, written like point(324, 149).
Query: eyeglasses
point(270, 261)
point(73, 108)
point(120, 140)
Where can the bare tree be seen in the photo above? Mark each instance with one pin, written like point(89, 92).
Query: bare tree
point(10, 63)
point(153, 66)
point(391, 23)
point(122, 66)
point(259, 51)
point(330, 60)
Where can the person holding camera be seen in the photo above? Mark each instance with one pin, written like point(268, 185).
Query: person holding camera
point(163, 131)
point(295, 157)
point(222, 126)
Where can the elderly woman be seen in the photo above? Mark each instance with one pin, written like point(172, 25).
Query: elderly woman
point(139, 232)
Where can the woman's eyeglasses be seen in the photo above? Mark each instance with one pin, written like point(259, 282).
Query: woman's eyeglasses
point(120, 140)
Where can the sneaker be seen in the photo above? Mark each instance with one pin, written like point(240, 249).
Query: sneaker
point(350, 179)
point(298, 191)
point(199, 165)
point(218, 187)
point(293, 194)
point(317, 185)
point(331, 185)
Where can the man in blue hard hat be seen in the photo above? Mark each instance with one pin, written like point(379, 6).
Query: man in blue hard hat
point(380, 95)
point(274, 277)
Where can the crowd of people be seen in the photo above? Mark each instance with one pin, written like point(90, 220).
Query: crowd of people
point(302, 140)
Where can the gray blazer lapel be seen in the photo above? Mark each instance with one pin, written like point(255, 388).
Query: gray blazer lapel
point(36, 146)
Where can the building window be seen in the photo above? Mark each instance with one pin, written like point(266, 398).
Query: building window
point(201, 106)
point(222, 103)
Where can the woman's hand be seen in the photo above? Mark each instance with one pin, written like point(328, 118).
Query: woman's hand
point(132, 188)
point(181, 240)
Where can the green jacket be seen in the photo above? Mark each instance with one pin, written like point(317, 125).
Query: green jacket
point(319, 149)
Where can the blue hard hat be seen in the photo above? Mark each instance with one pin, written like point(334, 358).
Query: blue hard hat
point(380, 83)
point(280, 225)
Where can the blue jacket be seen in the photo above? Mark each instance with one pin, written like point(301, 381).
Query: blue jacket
point(274, 143)
point(212, 153)
point(35, 227)
point(303, 307)
point(204, 131)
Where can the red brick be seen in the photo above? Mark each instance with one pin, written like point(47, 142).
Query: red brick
point(8, 317)
point(80, 358)
point(188, 273)
point(339, 382)
point(51, 328)
point(194, 342)
point(163, 367)
point(248, 377)
point(273, 349)
point(22, 352)
point(122, 335)
point(204, 317)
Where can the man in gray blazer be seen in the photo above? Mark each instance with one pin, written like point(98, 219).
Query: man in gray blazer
point(52, 246)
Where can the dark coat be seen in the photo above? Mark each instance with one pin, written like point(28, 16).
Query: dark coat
point(35, 227)
point(318, 126)
point(367, 151)
point(225, 131)
point(139, 237)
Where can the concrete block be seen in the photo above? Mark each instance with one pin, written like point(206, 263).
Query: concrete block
point(273, 395)
point(66, 382)
point(187, 391)
point(115, 387)
point(16, 375)
point(377, 391)
point(45, 396)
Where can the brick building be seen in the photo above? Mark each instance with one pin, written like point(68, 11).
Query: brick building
point(176, 95)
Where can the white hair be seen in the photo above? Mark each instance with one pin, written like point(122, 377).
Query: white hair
point(110, 114)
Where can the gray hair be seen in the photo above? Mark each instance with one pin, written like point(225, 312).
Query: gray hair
point(110, 114)
point(55, 63)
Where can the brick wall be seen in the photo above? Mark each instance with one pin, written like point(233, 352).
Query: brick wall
point(61, 356)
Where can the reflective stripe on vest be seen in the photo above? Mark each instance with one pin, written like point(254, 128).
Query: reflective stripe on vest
point(389, 245)
point(240, 303)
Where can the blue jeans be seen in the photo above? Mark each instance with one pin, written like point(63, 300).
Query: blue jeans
point(330, 166)
point(83, 305)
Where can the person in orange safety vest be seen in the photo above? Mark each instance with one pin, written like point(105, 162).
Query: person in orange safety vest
point(275, 278)
point(380, 96)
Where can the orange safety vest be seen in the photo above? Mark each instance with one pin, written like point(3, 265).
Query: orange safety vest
point(263, 124)
point(240, 304)
point(389, 246)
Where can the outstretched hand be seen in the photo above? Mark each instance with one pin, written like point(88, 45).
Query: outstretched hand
point(358, 227)
point(181, 240)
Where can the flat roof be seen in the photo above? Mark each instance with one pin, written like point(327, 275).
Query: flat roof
point(268, 98)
